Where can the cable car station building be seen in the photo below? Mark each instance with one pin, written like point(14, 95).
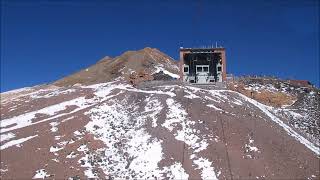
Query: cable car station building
point(203, 65)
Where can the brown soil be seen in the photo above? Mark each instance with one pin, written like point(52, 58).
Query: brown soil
point(275, 99)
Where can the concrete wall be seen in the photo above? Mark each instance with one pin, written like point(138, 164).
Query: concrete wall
point(184, 51)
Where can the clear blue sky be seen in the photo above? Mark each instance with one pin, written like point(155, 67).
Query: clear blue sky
point(42, 41)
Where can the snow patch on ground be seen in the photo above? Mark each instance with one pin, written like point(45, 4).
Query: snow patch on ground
point(192, 137)
point(89, 173)
point(218, 94)
point(87, 161)
point(146, 160)
point(191, 95)
point(41, 174)
point(71, 155)
point(160, 68)
point(104, 89)
point(82, 148)
point(250, 146)
point(207, 172)
point(55, 160)
point(114, 123)
point(7, 136)
point(152, 109)
point(55, 148)
point(237, 102)
point(16, 142)
point(219, 109)
point(171, 94)
point(176, 171)
point(176, 115)
point(4, 170)
point(57, 137)
point(291, 113)
point(250, 149)
point(214, 107)
point(54, 93)
point(54, 127)
point(25, 120)
point(176, 118)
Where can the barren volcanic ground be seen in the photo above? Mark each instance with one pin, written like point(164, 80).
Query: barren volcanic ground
point(160, 131)
point(116, 120)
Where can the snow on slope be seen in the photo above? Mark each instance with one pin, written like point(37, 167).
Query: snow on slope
point(160, 68)
point(141, 129)
point(270, 112)
point(117, 126)
point(17, 142)
point(112, 124)
point(25, 120)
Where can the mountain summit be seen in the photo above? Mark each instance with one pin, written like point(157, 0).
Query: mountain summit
point(148, 60)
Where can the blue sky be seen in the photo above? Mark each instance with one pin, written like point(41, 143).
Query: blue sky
point(42, 41)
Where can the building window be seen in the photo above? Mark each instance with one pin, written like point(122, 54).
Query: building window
point(199, 69)
point(219, 68)
point(205, 69)
point(186, 69)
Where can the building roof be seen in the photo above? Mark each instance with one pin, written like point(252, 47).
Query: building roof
point(202, 49)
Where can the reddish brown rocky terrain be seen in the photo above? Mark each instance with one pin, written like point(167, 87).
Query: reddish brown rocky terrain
point(81, 128)
point(144, 62)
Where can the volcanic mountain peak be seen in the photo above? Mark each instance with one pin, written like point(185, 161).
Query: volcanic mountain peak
point(149, 60)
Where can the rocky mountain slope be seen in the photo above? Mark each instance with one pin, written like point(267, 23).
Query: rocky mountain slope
point(147, 61)
point(298, 105)
point(81, 127)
